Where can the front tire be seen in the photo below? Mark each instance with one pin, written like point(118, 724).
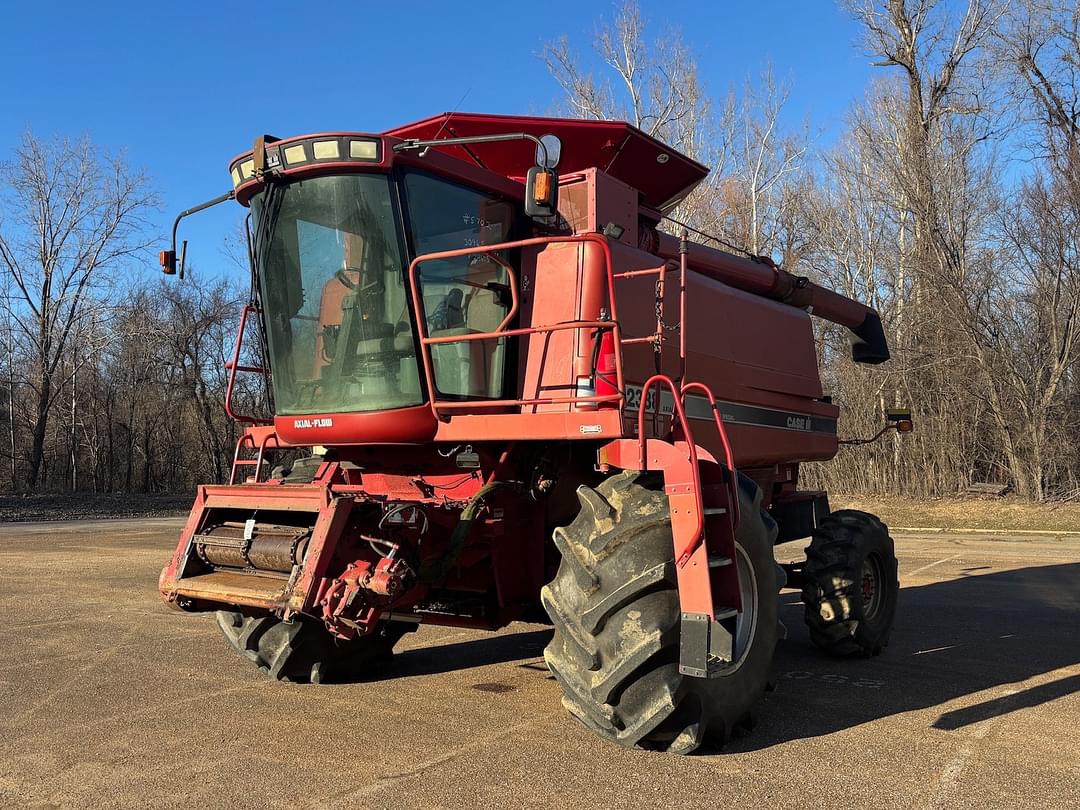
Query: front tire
point(303, 650)
point(615, 606)
point(850, 586)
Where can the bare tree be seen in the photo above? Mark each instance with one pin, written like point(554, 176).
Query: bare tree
point(72, 214)
point(1039, 46)
point(749, 198)
point(653, 86)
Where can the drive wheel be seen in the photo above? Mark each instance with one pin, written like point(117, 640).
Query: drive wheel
point(304, 651)
point(850, 585)
point(615, 606)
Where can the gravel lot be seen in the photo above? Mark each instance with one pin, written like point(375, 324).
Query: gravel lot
point(109, 699)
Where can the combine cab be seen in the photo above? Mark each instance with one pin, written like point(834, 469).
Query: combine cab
point(500, 392)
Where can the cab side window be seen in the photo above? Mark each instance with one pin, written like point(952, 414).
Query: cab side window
point(466, 294)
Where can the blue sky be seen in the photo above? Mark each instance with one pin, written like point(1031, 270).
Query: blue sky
point(183, 87)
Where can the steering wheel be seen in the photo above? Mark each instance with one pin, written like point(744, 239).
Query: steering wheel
point(343, 278)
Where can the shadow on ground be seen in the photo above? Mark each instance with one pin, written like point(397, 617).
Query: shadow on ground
point(499, 649)
point(952, 639)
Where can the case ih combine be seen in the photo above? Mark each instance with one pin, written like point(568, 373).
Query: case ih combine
point(501, 393)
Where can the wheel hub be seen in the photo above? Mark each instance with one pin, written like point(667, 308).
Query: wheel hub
point(746, 622)
point(870, 586)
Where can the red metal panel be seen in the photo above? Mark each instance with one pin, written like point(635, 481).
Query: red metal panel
point(401, 426)
point(598, 424)
point(615, 147)
point(592, 199)
point(324, 539)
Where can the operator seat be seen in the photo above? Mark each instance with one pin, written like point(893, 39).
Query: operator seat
point(472, 368)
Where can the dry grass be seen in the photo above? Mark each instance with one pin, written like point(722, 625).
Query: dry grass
point(87, 506)
point(966, 513)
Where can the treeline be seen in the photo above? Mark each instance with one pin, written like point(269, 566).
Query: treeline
point(136, 397)
point(113, 377)
point(950, 202)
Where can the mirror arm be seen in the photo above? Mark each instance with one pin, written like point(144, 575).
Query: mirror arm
point(416, 143)
point(176, 224)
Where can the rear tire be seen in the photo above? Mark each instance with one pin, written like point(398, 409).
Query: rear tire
point(304, 651)
point(615, 606)
point(850, 586)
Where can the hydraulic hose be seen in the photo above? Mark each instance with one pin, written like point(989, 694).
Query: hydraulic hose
point(437, 570)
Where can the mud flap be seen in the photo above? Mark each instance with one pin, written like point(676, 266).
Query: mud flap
point(706, 645)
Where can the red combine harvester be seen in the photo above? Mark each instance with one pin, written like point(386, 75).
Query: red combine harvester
point(500, 393)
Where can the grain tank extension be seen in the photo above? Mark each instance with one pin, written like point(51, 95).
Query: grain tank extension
point(500, 392)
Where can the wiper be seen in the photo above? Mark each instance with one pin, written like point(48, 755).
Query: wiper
point(273, 197)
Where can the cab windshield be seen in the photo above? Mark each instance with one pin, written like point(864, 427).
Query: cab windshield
point(335, 303)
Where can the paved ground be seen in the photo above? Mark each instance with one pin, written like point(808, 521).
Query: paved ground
point(108, 699)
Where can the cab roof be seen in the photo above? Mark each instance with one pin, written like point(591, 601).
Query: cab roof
point(662, 175)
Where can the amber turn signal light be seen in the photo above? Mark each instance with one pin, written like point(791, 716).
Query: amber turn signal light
point(541, 192)
point(168, 262)
point(542, 188)
point(900, 418)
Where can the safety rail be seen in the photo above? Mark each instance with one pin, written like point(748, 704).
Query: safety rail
point(426, 341)
point(267, 435)
point(684, 425)
point(679, 413)
point(656, 339)
point(729, 455)
point(234, 366)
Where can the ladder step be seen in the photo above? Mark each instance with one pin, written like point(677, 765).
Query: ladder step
point(724, 613)
point(715, 510)
point(718, 561)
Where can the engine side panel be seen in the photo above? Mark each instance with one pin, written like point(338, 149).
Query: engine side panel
point(757, 355)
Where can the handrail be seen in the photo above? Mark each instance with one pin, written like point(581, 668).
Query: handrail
point(448, 254)
point(257, 462)
point(501, 332)
point(657, 338)
point(234, 366)
point(733, 483)
point(684, 425)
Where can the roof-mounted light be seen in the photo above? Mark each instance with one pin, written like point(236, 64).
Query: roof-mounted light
point(295, 155)
point(363, 149)
point(292, 154)
point(326, 150)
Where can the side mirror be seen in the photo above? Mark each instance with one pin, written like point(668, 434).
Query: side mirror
point(900, 418)
point(541, 192)
point(549, 151)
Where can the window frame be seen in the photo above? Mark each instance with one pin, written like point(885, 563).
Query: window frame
point(512, 257)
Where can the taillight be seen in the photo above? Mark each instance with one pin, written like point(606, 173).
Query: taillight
point(603, 381)
point(606, 379)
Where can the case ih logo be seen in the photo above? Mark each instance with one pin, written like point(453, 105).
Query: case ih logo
point(325, 422)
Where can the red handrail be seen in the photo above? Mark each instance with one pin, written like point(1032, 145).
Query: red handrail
point(643, 461)
point(234, 366)
point(733, 483)
point(264, 445)
point(501, 331)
